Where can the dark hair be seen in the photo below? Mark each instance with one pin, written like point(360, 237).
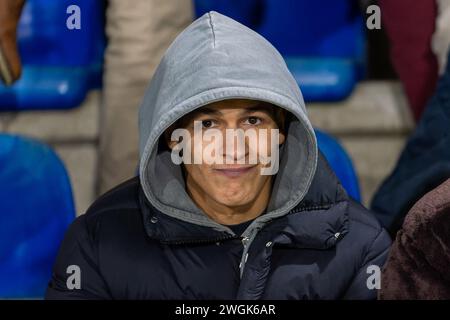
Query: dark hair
point(280, 116)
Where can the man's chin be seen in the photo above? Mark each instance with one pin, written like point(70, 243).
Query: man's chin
point(234, 201)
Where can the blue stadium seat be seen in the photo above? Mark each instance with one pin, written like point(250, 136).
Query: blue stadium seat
point(322, 41)
point(36, 207)
point(59, 64)
point(340, 162)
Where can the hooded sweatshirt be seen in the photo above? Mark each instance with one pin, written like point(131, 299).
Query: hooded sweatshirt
point(217, 58)
point(147, 239)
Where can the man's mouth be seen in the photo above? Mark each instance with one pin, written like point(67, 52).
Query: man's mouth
point(234, 172)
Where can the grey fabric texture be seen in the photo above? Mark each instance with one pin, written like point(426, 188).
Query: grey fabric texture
point(213, 59)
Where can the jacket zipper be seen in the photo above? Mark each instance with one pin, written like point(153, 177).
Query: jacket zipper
point(244, 240)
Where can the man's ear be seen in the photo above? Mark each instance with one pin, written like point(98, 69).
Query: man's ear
point(281, 137)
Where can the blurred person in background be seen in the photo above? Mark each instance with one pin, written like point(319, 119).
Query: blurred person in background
point(425, 161)
point(410, 26)
point(418, 263)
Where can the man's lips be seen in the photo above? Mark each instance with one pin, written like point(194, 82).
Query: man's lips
point(233, 172)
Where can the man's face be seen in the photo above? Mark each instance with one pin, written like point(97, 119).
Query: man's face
point(236, 179)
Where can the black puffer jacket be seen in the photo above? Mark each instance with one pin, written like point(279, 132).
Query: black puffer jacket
point(126, 249)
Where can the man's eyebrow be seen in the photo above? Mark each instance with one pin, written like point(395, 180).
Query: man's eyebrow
point(204, 110)
point(266, 108)
point(207, 110)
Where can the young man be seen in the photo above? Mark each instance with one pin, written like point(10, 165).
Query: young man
point(204, 222)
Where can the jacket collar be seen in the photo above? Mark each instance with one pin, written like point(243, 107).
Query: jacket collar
point(316, 222)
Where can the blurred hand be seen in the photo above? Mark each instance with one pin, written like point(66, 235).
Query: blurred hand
point(10, 67)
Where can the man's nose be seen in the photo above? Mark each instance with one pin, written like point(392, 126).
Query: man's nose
point(235, 145)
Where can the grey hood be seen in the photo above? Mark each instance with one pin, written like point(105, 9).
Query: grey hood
point(217, 58)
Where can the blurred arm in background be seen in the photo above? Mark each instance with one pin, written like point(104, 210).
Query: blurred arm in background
point(10, 67)
point(410, 26)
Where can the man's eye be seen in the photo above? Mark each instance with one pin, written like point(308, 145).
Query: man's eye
point(253, 121)
point(207, 123)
